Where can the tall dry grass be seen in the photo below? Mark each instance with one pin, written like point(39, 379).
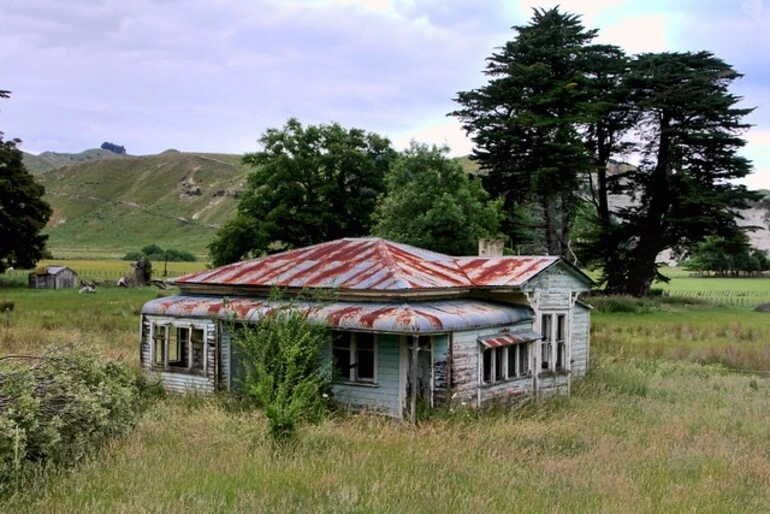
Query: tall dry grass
point(651, 429)
point(635, 437)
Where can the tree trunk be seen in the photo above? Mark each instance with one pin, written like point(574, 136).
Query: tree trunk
point(601, 178)
point(551, 236)
point(641, 268)
point(566, 216)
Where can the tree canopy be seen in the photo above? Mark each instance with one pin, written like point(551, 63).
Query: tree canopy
point(559, 109)
point(525, 122)
point(432, 203)
point(689, 130)
point(23, 212)
point(309, 185)
point(112, 147)
point(727, 257)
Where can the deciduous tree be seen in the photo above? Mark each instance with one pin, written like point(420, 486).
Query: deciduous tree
point(432, 203)
point(310, 184)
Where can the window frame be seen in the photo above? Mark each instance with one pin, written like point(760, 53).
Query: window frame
point(554, 349)
point(163, 334)
point(352, 339)
point(500, 357)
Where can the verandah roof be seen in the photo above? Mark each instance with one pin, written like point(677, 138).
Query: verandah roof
point(385, 317)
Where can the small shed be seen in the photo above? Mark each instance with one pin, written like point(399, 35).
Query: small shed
point(407, 325)
point(53, 277)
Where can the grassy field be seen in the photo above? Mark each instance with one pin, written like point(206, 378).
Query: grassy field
point(665, 422)
point(107, 271)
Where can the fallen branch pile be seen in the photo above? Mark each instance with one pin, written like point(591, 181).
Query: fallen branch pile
point(56, 409)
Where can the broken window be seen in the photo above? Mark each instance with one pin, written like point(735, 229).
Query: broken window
point(181, 348)
point(505, 363)
point(553, 347)
point(355, 356)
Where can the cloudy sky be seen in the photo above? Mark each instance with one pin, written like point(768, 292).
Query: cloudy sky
point(212, 75)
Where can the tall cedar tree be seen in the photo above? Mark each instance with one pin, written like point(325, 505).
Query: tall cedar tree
point(689, 130)
point(310, 184)
point(525, 123)
point(23, 212)
point(432, 203)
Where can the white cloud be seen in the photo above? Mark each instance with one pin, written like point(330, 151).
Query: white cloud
point(448, 132)
point(214, 74)
point(649, 33)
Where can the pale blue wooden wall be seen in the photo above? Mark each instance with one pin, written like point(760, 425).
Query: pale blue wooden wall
point(381, 397)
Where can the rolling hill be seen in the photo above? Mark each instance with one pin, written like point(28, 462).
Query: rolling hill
point(48, 161)
point(107, 207)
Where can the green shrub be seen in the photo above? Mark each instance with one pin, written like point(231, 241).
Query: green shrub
point(645, 305)
point(282, 370)
point(154, 252)
point(56, 410)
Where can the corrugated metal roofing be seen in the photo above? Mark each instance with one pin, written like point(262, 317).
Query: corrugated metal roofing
point(372, 264)
point(503, 271)
point(421, 317)
point(509, 339)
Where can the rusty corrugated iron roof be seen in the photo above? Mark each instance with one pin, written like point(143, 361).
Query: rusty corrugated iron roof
point(372, 264)
point(506, 271)
point(420, 317)
point(509, 339)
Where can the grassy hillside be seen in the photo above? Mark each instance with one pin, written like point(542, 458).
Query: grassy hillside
point(108, 207)
point(48, 161)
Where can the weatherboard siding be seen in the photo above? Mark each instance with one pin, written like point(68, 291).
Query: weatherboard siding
point(383, 396)
point(225, 357)
point(553, 383)
point(580, 334)
point(440, 354)
point(466, 386)
point(554, 287)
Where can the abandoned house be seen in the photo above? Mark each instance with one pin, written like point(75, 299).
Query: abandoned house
point(408, 325)
point(52, 277)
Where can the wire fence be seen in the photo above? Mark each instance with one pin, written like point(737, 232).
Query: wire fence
point(94, 275)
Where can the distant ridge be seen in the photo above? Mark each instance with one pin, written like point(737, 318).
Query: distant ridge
point(48, 161)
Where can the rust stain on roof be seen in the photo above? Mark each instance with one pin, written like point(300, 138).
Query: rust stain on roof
point(372, 264)
point(425, 317)
point(509, 339)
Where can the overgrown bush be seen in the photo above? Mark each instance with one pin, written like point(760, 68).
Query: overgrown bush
point(282, 369)
point(632, 304)
point(58, 409)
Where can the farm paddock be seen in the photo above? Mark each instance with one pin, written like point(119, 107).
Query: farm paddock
point(648, 430)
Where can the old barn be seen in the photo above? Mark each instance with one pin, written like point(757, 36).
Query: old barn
point(408, 325)
point(53, 277)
